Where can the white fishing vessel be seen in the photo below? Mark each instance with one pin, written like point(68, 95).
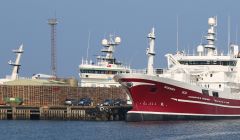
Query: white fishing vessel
point(101, 73)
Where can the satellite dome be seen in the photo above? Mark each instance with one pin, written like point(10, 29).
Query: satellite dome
point(212, 21)
point(104, 42)
point(200, 48)
point(117, 40)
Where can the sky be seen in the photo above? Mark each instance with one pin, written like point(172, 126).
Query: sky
point(25, 22)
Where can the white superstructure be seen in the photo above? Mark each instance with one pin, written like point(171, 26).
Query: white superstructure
point(100, 74)
point(205, 85)
point(209, 70)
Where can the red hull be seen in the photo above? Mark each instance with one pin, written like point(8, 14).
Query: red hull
point(154, 99)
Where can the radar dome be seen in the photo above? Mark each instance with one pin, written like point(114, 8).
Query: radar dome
point(117, 40)
point(200, 48)
point(104, 42)
point(212, 21)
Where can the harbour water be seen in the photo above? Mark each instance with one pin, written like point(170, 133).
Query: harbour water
point(120, 130)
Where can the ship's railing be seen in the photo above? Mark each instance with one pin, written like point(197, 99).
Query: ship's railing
point(144, 71)
point(138, 71)
point(24, 78)
point(8, 77)
point(104, 63)
point(18, 77)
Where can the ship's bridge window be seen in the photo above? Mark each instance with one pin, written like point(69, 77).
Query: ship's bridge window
point(215, 94)
point(92, 71)
point(98, 71)
point(223, 63)
point(114, 72)
point(111, 72)
point(205, 92)
point(120, 72)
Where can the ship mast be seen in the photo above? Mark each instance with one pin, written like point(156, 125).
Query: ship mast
point(210, 47)
point(150, 52)
point(110, 47)
point(16, 65)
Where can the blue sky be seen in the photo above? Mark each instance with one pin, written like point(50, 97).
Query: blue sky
point(25, 22)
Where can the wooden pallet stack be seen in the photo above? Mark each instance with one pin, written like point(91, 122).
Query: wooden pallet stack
point(56, 95)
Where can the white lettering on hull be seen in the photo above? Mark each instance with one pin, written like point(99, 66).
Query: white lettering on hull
point(184, 92)
point(169, 88)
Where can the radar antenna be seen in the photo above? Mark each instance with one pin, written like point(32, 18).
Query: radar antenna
point(210, 47)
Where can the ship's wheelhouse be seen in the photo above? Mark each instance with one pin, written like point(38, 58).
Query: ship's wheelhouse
point(107, 71)
point(209, 62)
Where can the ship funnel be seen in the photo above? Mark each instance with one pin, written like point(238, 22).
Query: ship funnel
point(150, 52)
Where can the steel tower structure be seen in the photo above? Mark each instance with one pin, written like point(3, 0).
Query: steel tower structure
point(53, 22)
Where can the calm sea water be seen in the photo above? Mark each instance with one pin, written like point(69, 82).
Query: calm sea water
point(91, 130)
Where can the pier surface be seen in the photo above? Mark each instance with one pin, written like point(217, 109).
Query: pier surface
point(101, 113)
point(47, 102)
